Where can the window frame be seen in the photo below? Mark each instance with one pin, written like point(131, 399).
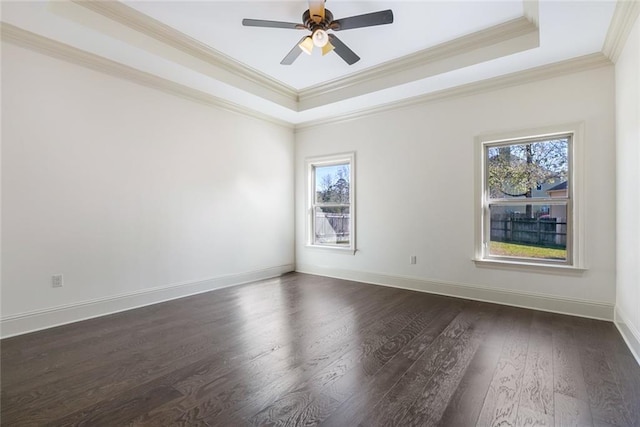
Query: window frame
point(575, 222)
point(330, 160)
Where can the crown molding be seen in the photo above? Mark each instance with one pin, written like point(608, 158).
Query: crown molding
point(624, 17)
point(252, 80)
point(500, 40)
point(531, 11)
point(29, 40)
point(26, 39)
point(523, 26)
point(570, 66)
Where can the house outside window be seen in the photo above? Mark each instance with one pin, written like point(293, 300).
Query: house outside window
point(527, 200)
point(331, 201)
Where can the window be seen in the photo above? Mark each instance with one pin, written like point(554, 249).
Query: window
point(331, 199)
point(527, 209)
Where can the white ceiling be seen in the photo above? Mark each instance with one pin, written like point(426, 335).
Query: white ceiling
point(431, 46)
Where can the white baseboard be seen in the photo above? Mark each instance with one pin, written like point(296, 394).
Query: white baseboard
point(629, 333)
point(23, 323)
point(590, 309)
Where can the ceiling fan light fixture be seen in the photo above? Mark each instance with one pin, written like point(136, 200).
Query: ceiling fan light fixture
point(320, 37)
point(306, 45)
point(327, 48)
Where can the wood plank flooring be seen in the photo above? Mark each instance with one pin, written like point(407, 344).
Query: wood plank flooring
point(305, 350)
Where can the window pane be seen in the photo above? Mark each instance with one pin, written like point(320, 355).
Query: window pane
point(331, 225)
point(332, 183)
point(529, 170)
point(529, 231)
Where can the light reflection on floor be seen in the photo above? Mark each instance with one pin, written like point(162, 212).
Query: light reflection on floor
point(295, 354)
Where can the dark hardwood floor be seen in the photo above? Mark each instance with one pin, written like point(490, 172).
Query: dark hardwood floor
point(305, 350)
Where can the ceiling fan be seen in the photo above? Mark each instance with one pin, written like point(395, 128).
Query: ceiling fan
point(319, 20)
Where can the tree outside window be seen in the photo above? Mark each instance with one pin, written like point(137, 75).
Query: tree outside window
point(331, 187)
point(527, 194)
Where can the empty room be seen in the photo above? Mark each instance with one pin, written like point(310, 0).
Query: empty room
point(340, 213)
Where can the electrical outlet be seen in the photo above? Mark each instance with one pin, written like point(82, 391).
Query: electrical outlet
point(56, 281)
point(413, 259)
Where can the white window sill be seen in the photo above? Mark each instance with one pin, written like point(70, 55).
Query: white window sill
point(530, 266)
point(337, 249)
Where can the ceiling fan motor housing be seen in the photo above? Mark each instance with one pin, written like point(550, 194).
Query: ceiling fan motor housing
point(313, 25)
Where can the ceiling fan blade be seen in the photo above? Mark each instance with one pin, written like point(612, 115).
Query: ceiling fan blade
point(293, 54)
point(367, 20)
point(272, 24)
point(316, 10)
point(343, 51)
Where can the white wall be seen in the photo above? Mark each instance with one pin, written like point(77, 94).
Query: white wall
point(415, 192)
point(125, 189)
point(628, 190)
